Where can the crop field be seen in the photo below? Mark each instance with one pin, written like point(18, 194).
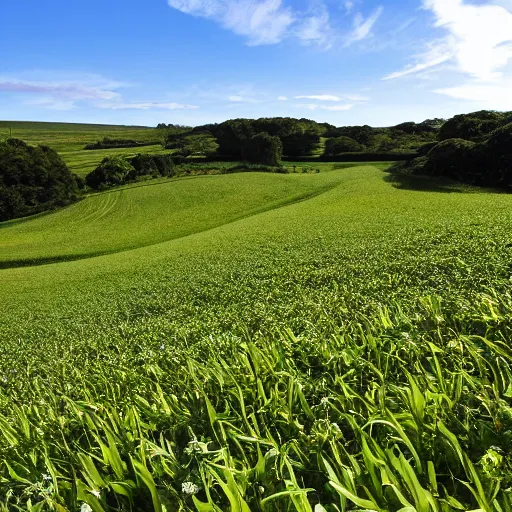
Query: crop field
point(72, 136)
point(69, 139)
point(329, 341)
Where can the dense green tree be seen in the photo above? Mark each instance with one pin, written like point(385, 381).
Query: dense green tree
point(200, 144)
point(232, 136)
point(32, 179)
point(263, 149)
point(476, 126)
point(112, 171)
point(343, 144)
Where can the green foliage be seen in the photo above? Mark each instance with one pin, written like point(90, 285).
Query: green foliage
point(263, 149)
point(112, 171)
point(151, 165)
point(488, 163)
point(453, 158)
point(201, 144)
point(475, 126)
point(32, 180)
point(343, 144)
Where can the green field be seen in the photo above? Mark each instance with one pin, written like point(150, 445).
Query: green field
point(331, 341)
point(72, 136)
point(69, 139)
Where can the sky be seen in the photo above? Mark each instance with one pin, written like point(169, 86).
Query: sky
point(346, 62)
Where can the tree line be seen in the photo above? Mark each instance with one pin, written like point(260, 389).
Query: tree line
point(472, 148)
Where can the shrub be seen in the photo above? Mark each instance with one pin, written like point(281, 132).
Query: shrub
point(32, 179)
point(112, 171)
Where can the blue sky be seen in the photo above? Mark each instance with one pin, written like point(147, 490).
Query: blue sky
point(198, 61)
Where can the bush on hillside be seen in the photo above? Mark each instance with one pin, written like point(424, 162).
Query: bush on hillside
point(476, 126)
point(151, 165)
point(453, 158)
point(497, 157)
point(263, 149)
point(339, 145)
point(32, 180)
point(425, 148)
point(112, 171)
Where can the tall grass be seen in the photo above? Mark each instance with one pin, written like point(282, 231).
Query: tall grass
point(390, 412)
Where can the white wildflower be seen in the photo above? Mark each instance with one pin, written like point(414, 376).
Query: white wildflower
point(46, 477)
point(261, 489)
point(162, 347)
point(85, 508)
point(324, 401)
point(335, 427)
point(95, 493)
point(189, 488)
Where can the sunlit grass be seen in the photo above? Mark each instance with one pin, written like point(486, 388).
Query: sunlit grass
point(349, 351)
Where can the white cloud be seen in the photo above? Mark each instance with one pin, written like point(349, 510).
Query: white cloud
point(282, 98)
point(349, 5)
point(150, 105)
point(487, 96)
point(51, 103)
point(356, 97)
point(262, 22)
point(241, 99)
point(319, 97)
point(478, 40)
point(362, 27)
point(70, 90)
point(316, 29)
point(438, 53)
point(316, 106)
point(330, 97)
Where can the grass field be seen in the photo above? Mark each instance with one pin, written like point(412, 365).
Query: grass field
point(330, 341)
point(72, 136)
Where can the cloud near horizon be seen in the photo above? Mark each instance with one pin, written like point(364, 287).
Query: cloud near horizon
point(66, 89)
point(333, 108)
point(147, 106)
point(65, 94)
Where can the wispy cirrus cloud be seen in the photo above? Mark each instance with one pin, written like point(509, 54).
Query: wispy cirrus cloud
point(149, 105)
point(316, 106)
point(237, 98)
point(331, 97)
point(319, 97)
point(91, 90)
point(316, 29)
point(489, 96)
point(363, 27)
point(264, 22)
point(478, 40)
point(70, 90)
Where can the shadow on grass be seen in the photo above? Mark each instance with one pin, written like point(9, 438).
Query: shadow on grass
point(426, 183)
